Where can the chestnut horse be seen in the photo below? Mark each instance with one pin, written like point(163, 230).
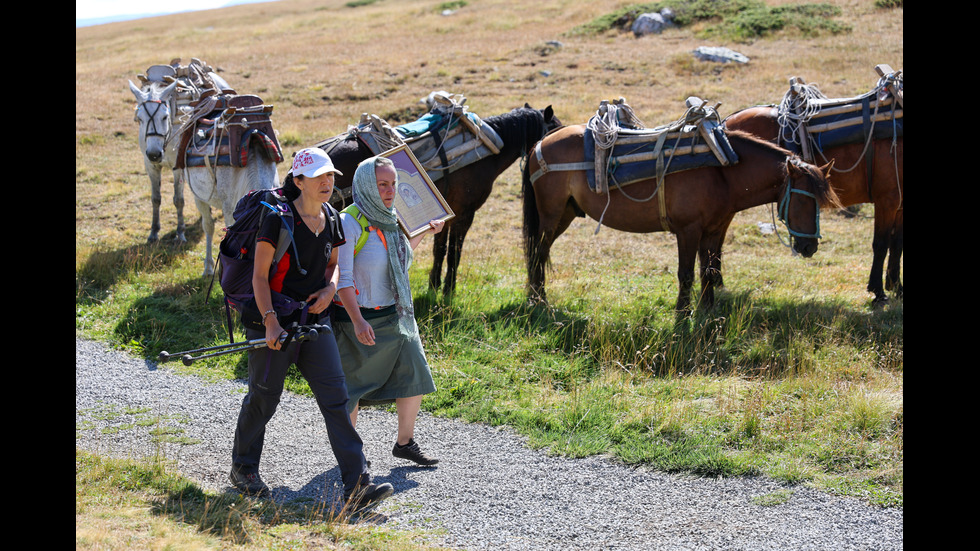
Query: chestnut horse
point(852, 185)
point(466, 189)
point(700, 204)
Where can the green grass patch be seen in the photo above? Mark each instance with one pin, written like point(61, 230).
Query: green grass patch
point(738, 20)
point(804, 392)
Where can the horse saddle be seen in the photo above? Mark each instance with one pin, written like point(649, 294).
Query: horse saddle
point(626, 155)
point(444, 140)
point(841, 121)
point(222, 129)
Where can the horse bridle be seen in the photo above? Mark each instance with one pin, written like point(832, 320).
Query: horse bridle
point(787, 195)
point(151, 126)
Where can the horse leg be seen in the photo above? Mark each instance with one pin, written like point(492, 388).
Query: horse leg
point(709, 257)
point(155, 199)
point(179, 204)
point(893, 276)
point(207, 224)
point(715, 264)
point(688, 243)
point(438, 254)
point(879, 248)
point(456, 237)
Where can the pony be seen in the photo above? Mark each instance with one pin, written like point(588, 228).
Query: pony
point(163, 99)
point(466, 189)
point(699, 205)
point(156, 114)
point(882, 185)
point(223, 186)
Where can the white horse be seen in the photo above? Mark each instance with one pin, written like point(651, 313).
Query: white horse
point(222, 186)
point(155, 112)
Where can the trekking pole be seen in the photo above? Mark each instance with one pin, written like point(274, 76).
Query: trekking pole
point(303, 333)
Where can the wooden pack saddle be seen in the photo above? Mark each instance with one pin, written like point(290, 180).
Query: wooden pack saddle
point(444, 140)
point(810, 122)
point(221, 128)
point(618, 154)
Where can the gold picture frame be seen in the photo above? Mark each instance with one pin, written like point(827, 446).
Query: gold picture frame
point(417, 200)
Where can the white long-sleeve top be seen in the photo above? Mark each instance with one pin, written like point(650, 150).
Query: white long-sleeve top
point(368, 274)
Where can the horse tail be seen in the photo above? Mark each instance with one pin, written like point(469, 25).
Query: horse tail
point(530, 227)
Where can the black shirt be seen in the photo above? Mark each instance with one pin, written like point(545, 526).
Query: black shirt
point(311, 252)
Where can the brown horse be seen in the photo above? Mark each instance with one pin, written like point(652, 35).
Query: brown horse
point(465, 190)
point(853, 185)
point(700, 204)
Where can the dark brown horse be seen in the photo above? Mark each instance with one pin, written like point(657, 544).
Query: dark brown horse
point(853, 185)
point(700, 204)
point(466, 189)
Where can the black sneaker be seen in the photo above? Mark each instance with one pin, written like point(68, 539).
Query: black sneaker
point(248, 483)
point(367, 497)
point(412, 452)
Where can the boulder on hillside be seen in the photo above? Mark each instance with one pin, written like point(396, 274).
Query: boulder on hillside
point(653, 23)
point(719, 55)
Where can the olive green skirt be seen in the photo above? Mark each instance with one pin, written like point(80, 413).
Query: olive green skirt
point(394, 367)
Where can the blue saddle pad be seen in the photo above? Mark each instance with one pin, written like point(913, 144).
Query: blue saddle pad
point(854, 133)
point(430, 122)
point(627, 173)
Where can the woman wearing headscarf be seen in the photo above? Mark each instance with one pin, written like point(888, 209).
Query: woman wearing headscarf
point(308, 273)
point(376, 332)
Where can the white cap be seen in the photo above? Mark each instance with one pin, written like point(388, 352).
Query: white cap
point(312, 162)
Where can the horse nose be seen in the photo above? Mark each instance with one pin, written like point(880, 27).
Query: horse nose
point(154, 155)
point(806, 247)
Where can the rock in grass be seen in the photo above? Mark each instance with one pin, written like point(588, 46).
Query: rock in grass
point(719, 55)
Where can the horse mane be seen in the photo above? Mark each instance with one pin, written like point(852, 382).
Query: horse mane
point(514, 126)
point(826, 196)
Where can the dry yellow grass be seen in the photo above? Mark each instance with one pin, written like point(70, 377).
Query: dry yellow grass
point(323, 64)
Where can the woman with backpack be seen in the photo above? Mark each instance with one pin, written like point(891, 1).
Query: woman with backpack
point(380, 349)
point(307, 273)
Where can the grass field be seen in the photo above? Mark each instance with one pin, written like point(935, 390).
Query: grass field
point(792, 375)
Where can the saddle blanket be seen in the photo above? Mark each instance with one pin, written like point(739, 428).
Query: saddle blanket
point(635, 155)
point(838, 122)
point(442, 143)
point(205, 150)
point(223, 136)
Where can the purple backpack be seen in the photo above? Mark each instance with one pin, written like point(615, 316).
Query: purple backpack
point(236, 254)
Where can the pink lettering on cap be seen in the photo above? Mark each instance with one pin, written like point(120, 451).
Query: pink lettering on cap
point(302, 160)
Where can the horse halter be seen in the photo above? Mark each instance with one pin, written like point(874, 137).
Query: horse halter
point(151, 125)
point(787, 195)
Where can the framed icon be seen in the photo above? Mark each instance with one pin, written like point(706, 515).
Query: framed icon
point(417, 200)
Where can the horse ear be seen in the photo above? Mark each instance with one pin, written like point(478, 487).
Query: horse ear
point(165, 94)
point(793, 166)
point(140, 96)
point(527, 105)
point(827, 168)
point(549, 113)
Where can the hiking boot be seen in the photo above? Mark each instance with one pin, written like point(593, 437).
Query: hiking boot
point(366, 497)
point(248, 483)
point(412, 452)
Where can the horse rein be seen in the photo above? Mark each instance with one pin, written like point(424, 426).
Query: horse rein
point(787, 195)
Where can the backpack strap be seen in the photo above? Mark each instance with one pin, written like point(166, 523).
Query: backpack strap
point(366, 227)
point(285, 214)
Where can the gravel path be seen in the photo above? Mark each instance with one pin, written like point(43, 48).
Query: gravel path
point(489, 492)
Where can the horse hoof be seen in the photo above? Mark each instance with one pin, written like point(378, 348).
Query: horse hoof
point(879, 302)
point(153, 238)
